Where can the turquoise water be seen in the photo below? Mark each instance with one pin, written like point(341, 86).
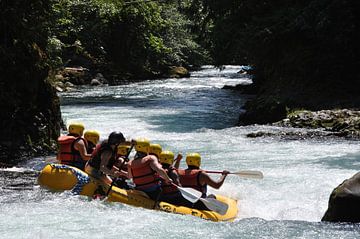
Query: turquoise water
point(188, 115)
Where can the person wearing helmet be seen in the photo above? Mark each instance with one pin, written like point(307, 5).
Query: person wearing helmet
point(101, 163)
point(170, 193)
point(92, 137)
point(196, 178)
point(73, 147)
point(121, 163)
point(155, 149)
point(145, 170)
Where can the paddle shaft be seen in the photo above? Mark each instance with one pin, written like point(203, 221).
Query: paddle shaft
point(113, 181)
point(244, 173)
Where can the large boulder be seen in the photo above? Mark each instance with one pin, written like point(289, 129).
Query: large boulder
point(344, 202)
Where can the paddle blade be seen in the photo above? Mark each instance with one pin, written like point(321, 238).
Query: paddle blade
point(249, 174)
point(215, 205)
point(190, 194)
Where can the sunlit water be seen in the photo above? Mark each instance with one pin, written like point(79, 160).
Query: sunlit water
point(188, 115)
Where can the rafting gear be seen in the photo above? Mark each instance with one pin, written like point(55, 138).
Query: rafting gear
point(191, 178)
point(193, 159)
point(142, 145)
point(155, 149)
point(115, 138)
point(67, 154)
point(166, 157)
point(59, 177)
point(123, 150)
point(144, 177)
point(92, 136)
point(76, 128)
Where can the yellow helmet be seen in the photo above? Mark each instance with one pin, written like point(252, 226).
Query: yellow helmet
point(142, 145)
point(92, 136)
point(76, 128)
point(167, 157)
point(155, 149)
point(123, 150)
point(193, 159)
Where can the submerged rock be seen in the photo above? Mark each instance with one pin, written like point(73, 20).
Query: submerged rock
point(344, 202)
point(178, 72)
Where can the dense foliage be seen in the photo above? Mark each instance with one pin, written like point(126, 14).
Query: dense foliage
point(139, 38)
point(304, 53)
point(30, 118)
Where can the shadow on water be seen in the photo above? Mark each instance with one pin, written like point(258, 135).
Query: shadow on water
point(348, 161)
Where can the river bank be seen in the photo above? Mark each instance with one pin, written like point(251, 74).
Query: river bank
point(338, 123)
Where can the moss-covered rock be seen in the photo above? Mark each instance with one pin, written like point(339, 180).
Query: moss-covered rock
point(344, 122)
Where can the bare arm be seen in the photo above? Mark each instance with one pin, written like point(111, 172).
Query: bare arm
point(156, 166)
point(129, 173)
point(177, 161)
point(80, 146)
point(205, 179)
point(105, 157)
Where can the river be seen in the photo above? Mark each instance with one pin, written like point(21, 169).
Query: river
point(187, 115)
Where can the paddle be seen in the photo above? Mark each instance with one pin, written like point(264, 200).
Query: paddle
point(243, 173)
point(113, 181)
point(215, 205)
point(193, 195)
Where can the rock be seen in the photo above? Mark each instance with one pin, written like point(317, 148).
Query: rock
point(59, 89)
point(59, 77)
point(344, 202)
point(178, 72)
point(76, 75)
point(68, 84)
point(95, 82)
point(344, 122)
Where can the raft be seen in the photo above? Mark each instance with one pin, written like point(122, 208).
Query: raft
point(59, 177)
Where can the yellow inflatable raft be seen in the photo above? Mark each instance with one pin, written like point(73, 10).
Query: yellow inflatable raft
point(60, 177)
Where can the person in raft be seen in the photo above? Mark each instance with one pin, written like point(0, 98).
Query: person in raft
point(73, 147)
point(92, 137)
point(196, 178)
point(170, 193)
point(145, 170)
point(121, 163)
point(155, 149)
point(101, 163)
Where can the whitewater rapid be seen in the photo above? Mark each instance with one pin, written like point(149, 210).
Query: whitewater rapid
point(190, 115)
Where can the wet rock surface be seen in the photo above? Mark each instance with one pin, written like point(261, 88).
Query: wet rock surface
point(342, 123)
point(344, 202)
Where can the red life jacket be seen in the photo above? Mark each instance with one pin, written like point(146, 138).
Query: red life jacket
point(67, 153)
point(95, 159)
point(190, 178)
point(168, 188)
point(143, 175)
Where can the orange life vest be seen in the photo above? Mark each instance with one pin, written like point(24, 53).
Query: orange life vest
point(190, 178)
point(143, 175)
point(168, 188)
point(67, 153)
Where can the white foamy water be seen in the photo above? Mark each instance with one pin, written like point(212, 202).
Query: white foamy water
point(191, 115)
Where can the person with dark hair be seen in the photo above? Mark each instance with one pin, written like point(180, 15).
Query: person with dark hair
point(101, 163)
